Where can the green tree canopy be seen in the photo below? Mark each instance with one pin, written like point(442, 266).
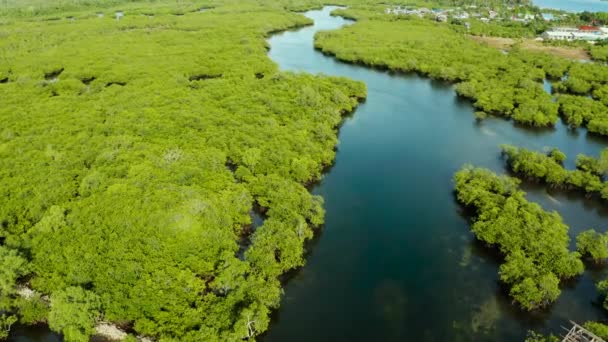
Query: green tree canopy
point(73, 313)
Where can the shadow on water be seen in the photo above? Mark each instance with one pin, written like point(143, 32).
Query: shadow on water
point(36, 333)
point(595, 138)
point(396, 260)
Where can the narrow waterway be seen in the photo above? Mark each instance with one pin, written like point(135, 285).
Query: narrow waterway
point(395, 260)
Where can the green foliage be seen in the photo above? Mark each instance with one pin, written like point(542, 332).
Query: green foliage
point(73, 312)
point(601, 18)
point(602, 167)
point(587, 177)
point(12, 267)
point(588, 164)
point(580, 110)
point(557, 155)
point(6, 321)
point(585, 79)
point(130, 338)
point(497, 83)
point(577, 86)
point(599, 329)
point(593, 244)
point(139, 147)
point(506, 29)
point(534, 242)
point(32, 310)
point(536, 337)
point(599, 52)
point(534, 292)
point(56, 9)
point(537, 165)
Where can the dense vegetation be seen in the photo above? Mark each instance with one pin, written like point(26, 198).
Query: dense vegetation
point(44, 9)
point(508, 85)
point(581, 110)
point(599, 51)
point(533, 241)
point(587, 104)
point(593, 244)
point(497, 83)
point(587, 177)
point(132, 153)
point(505, 29)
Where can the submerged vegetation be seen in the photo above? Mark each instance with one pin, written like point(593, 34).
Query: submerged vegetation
point(533, 241)
point(132, 153)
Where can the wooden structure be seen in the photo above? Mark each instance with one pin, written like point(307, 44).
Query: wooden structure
point(580, 334)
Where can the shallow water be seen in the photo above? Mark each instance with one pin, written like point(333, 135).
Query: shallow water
point(574, 5)
point(395, 260)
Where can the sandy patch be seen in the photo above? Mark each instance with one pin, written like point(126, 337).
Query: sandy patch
point(534, 45)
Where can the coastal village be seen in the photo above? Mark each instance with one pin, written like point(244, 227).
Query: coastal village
point(588, 33)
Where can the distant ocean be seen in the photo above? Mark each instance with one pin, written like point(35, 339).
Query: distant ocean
point(574, 5)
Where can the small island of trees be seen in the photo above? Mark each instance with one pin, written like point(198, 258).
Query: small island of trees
point(533, 241)
point(548, 167)
point(134, 149)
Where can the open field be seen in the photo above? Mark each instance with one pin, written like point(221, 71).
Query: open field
point(536, 46)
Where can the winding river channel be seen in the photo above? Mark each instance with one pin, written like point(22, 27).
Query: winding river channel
point(395, 260)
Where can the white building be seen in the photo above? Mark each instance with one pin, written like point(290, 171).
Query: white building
point(588, 36)
point(557, 35)
point(566, 33)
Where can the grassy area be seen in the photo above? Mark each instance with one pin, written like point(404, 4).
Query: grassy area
point(573, 53)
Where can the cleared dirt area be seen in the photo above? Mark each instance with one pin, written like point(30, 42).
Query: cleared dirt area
point(534, 45)
point(496, 42)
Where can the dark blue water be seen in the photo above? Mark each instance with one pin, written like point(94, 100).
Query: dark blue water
point(574, 5)
point(395, 260)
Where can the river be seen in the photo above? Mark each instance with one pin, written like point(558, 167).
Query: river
point(395, 260)
point(574, 5)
